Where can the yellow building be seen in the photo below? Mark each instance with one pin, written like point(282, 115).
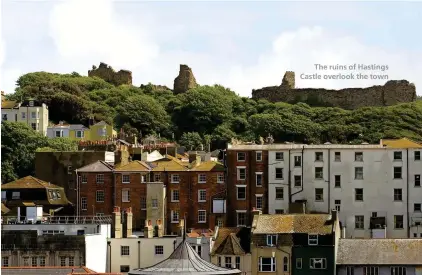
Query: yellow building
point(98, 131)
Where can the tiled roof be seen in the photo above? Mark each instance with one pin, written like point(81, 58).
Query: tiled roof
point(195, 233)
point(4, 209)
point(135, 165)
point(98, 166)
point(8, 104)
point(168, 163)
point(211, 166)
point(400, 143)
point(380, 251)
point(299, 223)
point(232, 241)
point(28, 182)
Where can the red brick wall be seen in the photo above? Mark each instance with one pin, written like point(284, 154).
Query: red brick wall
point(88, 190)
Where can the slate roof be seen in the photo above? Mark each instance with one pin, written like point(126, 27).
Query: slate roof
point(135, 165)
point(208, 166)
point(379, 251)
point(232, 241)
point(184, 261)
point(400, 143)
point(28, 182)
point(98, 166)
point(298, 223)
point(77, 127)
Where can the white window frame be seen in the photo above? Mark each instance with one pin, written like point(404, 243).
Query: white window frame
point(124, 250)
point(239, 174)
point(237, 262)
point(84, 203)
point(98, 195)
point(80, 134)
point(220, 178)
point(417, 155)
point(279, 159)
point(125, 178)
point(23, 115)
point(175, 214)
point(241, 154)
point(272, 240)
point(399, 154)
point(275, 173)
point(299, 263)
point(159, 250)
point(201, 194)
point(237, 217)
point(16, 195)
point(125, 195)
point(258, 156)
point(337, 157)
point(337, 205)
point(173, 193)
point(398, 270)
point(312, 239)
point(322, 195)
point(99, 178)
point(282, 193)
point(157, 177)
point(317, 154)
point(261, 175)
point(228, 262)
point(273, 264)
point(202, 178)
point(34, 115)
point(175, 178)
point(359, 173)
point(359, 224)
point(297, 158)
point(370, 270)
point(359, 156)
point(237, 192)
point(257, 198)
point(84, 178)
point(313, 261)
point(60, 132)
point(204, 216)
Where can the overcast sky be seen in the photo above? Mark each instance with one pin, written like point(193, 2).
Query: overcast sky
point(241, 45)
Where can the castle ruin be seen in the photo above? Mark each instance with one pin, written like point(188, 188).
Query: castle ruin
point(393, 92)
point(104, 71)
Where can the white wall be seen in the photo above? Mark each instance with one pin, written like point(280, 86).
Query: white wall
point(96, 252)
point(51, 131)
point(69, 229)
point(206, 246)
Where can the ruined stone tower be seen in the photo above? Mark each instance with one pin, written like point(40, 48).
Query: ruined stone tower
point(288, 80)
point(107, 73)
point(185, 80)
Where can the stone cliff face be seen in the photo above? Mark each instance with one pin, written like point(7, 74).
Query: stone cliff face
point(185, 80)
point(108, 74)
point(393, 92)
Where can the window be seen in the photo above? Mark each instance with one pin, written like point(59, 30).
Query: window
point(159, 250)
point(228, 262)
point(34, 126)
point(350, 270)
point(5, 261)
point(312, 239)
point(143, 203)
point(219, 261)
point(417, 155)
point(25, 261)
point(271, 240)
point(358, 156)
point(175, 178)
point(41, 260)
point(266, 264)
point(417, 207)
point(16, 195)
point(397, 172)
point(220, 223)
point(258, 179)
point(397, 155)
point(241, 219)
point(202, 216)
point(79, 134)
point(299, 263)
point(359, 222)
point(398, 221)
point(319, 156)
point(84, 178)
point(398, 194)
point(125, 178)
point(319, 175)
point(279, 193)
point(99, 196)
point(202, 178)
point(124, 268)
point(279, 211)
point(99, 214)
point(370, 270)
point(374, 214)
point(58, 133)
point(298, 181)
point(125, 195)
point(278, 173)
point(34, 115)
point(71, 261)
point(157, 177)
point(319, 194)
point(154, 203)
point(258, 156)
point(417, 180)
point(3, 195)
point(124, 250)
point(84, 204)
point(358, 173)
point(174, 216)
point(34, 261)
point(241, 192)
point(358, 194)
point(318, 263)
point(220, 178)
point(279, 156)
point(174, 195)
point(337, 204)
point(337, 156)
point(62, 261)
point(202, 195)
point(298, 161)
point(337, 181)
point(241, 156)
point(241, 173)
point(285, 264)
point(259, 202)
point(398, 270)
point(23, 115)
point(99, 178)
point(198, 249)
point(237, 261)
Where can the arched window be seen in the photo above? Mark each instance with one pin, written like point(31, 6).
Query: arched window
point(285, 264)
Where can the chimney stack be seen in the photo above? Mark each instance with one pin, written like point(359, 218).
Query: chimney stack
point(129, 216)
point(182, 228)
point(117, 223)
point(160, 228)
point(148, 230)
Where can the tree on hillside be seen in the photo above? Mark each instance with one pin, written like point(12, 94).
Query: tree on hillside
point(191, 140)
point(19, 143)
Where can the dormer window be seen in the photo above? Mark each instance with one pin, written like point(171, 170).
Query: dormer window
point(312, 239)
point(271, 240)
point(31, 103)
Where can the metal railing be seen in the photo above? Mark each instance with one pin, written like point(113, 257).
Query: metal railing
point(57, 220)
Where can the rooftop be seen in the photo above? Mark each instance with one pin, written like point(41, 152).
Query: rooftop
point(168, 163)
point(400, 143)
point(28, 182)
point(51, 270)
point(232, 241)
point(208, 166)
point(135, 165)
point(379, 251)
point(98, 166)
point(288, 224)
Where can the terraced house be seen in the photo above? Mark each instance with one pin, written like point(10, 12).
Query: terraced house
point(294, 244)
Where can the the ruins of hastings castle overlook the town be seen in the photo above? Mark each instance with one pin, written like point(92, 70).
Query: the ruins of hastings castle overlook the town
point(393, 92)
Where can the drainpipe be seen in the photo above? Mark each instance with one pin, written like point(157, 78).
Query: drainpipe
point(139, 254)
point(329, 181)
point(109, 257)
point(407, 196)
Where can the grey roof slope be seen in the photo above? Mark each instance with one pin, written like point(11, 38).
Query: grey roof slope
point(98, 166)
point(184, 261)
point(379, 251)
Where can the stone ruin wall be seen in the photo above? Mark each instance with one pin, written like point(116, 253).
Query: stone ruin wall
point(393, 92)
point(104, 71)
